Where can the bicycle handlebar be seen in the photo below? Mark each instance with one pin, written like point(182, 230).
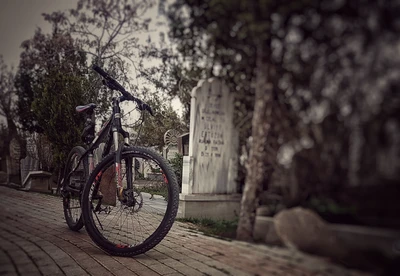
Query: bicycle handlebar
point(100, 71)
point(114, 85)
point(111, 82)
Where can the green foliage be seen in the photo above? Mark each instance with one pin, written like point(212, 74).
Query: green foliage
point(212, 227)
point(157, 189)
point(330, 206)
point(65, 125)
point(8, 111)
point(153, 129)
point(51, 81)
point(7, 94)
point(177, 166)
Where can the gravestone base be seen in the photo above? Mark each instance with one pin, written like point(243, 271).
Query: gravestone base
point(38, 181)
point(3, 178)
point(212, 206)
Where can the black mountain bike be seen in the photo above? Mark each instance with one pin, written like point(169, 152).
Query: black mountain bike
point(129, 201)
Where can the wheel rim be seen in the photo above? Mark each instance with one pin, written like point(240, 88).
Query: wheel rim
point(72, 199)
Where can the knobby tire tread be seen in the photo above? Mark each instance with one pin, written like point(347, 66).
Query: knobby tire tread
point(80, 150)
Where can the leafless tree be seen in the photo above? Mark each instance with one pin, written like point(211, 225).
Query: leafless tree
point(106, 30)
point(7, 94)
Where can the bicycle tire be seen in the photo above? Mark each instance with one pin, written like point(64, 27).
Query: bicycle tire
point(72, 200)
point(130, 241)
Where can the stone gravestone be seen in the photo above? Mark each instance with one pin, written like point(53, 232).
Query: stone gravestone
point(183, 144)
point(209, 186)
point(171, 143)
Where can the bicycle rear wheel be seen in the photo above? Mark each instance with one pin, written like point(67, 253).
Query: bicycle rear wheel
point(73, 187)
point(138, 222)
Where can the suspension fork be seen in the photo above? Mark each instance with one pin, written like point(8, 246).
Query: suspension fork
point(116, 129)
point(118, 172)
point(118, 165)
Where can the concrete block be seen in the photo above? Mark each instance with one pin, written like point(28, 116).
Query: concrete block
point(38, 181)
point(213, 206)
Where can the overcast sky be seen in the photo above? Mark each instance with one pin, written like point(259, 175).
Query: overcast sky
point(19, 20)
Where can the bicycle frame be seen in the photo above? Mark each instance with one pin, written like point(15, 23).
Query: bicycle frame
point(120, 230)
point(112, 127)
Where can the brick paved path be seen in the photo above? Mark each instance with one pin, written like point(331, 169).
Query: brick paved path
point(35, 240)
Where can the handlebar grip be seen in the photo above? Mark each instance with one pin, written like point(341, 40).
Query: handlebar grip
point(143, 106)
point(100, 71)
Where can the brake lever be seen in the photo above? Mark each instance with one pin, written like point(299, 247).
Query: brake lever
point(148, 108)
point(143, 106)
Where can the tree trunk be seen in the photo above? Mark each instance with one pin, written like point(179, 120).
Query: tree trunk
point(259, 166)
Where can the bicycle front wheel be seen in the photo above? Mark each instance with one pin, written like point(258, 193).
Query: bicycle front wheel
point(138, 221)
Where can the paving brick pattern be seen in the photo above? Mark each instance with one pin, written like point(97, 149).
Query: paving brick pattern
point(35, 240)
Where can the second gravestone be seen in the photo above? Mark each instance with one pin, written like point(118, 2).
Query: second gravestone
point(209, 186)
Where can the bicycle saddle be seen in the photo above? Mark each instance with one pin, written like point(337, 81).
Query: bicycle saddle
point(81, 108)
